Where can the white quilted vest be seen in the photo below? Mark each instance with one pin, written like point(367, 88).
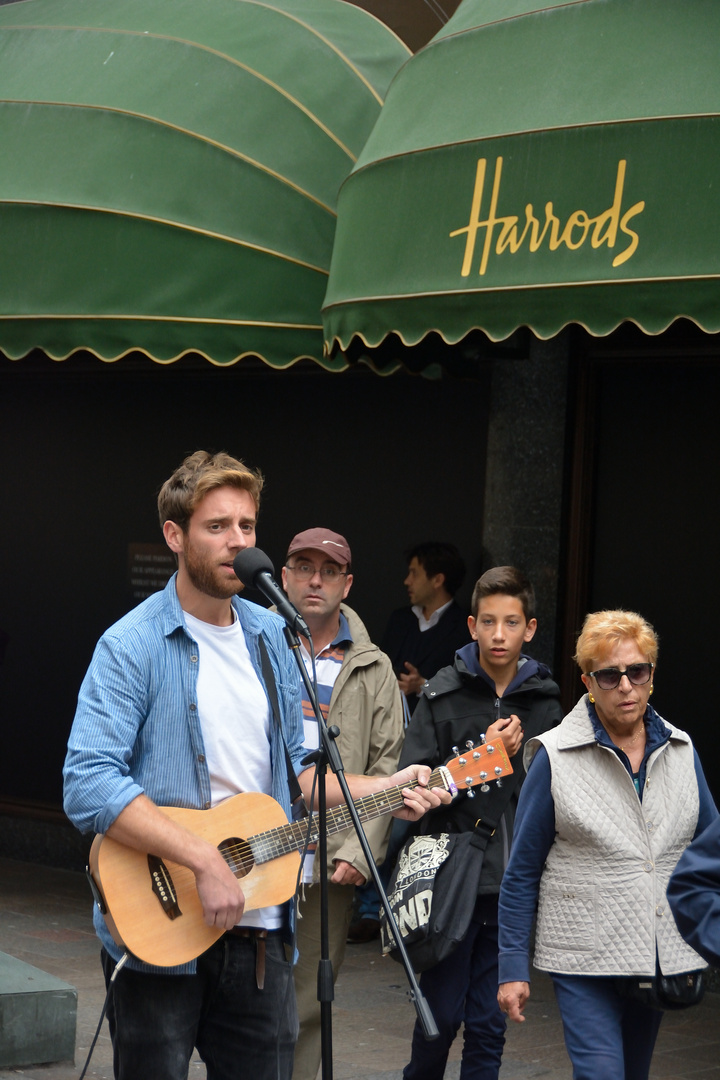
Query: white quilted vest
point(602, 906)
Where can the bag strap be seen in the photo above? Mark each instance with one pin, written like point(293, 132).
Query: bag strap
point(493, 805)
point(270, 686)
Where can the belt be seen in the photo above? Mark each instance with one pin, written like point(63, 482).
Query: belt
point(259, 936)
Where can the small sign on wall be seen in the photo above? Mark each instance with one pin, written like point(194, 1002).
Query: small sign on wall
point(150, 566)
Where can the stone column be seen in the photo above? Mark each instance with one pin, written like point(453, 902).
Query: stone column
point(522, 522)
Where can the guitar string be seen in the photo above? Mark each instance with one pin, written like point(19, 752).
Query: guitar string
point(271, 844)
point(288, 838)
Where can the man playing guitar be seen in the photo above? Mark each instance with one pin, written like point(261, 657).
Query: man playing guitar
point(174, 712)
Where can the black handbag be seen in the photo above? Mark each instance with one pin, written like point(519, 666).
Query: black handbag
point(665, 992)
point(432, 895)
point(434, 886)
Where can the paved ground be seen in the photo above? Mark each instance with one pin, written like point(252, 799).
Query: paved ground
point(45, 921)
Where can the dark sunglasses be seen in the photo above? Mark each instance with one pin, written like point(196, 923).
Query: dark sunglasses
point(608, 678)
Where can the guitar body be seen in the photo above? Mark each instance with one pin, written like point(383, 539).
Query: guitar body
point(145, 921)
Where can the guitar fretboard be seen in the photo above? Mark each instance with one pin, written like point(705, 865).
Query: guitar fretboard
point(293, 837)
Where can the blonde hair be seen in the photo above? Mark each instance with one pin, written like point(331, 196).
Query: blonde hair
point(200, 473)
point(604, 630)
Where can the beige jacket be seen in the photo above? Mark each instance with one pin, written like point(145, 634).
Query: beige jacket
point(367, 708)
point(602, 908)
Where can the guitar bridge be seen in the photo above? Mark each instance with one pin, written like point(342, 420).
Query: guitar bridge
point(163, 887)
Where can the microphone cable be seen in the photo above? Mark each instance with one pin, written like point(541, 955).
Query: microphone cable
point(120, 964)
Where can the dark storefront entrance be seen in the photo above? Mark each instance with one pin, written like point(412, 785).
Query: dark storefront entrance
point(645, 501)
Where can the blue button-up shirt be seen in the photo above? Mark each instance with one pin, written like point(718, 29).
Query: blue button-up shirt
point(137, 729)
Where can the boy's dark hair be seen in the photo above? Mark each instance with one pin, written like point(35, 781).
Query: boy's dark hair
point(437, 557)
point(508, 580)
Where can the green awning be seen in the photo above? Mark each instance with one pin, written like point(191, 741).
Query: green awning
point(537, 166)
point(170, 169)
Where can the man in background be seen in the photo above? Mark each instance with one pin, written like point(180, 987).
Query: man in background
point(358, 692)
point(424, 637)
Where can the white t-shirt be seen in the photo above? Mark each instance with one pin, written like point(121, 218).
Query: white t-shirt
point(235, 720)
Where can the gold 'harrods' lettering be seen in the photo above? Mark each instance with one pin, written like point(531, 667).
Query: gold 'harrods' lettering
point(602, 229)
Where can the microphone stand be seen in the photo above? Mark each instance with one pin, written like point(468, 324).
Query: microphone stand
point(329, 755)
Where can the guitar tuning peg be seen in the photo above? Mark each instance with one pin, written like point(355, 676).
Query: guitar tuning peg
point(483, 776)
point(498, 770)
point(482, 740)
point(498, 783)
point(456, 750)
point(485, 787)
point(491, 748)
point(477, 755)
point(469, 744)
point(471, 794)
point(462, 761)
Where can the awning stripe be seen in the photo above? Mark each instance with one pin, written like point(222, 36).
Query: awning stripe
point(136, 216)
point(214, 52)
point(514, 133)
point(338, 52)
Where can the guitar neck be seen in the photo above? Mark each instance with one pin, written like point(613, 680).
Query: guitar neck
point(293, 837)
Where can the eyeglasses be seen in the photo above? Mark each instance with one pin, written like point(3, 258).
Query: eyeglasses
point(608, 678)
point(304, 571)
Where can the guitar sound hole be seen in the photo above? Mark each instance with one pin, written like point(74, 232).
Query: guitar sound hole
point(237, 855)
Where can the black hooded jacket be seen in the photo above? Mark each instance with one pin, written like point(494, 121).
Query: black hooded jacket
point(458, 705)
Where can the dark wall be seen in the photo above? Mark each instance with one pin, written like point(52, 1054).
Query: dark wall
point(386, 461)
point(414, 22)
point(657, 527)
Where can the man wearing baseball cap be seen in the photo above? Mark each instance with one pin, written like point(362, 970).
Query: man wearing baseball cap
point(357, 691)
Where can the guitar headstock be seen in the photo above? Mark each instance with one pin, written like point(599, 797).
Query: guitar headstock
point(480, 764)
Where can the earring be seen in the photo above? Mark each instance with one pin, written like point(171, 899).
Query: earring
point(591, 699)
point(651, 690)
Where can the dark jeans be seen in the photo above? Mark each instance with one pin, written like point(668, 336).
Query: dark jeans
point(607, 1037)
point(463, 989)
point(156, 1020)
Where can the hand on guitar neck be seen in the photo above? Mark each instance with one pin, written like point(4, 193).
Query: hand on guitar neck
point(418, 798)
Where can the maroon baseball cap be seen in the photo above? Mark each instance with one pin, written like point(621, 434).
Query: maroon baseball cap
point(331, 544)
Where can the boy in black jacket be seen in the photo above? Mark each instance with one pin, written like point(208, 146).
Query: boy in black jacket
point(491, 689)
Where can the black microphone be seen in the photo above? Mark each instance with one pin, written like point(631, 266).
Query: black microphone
point(253, 567)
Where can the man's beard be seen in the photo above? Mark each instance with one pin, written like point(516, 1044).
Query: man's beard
point(200, 571)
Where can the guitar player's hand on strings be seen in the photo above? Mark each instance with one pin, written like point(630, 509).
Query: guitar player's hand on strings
point(220, 894)
point(143, 826)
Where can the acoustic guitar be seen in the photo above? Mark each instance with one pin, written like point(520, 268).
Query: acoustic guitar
point(151, 905)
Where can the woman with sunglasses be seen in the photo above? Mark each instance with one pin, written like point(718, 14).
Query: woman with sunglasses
point(613, 797)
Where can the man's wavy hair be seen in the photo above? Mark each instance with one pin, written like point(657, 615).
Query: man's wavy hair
point(200, 473)
point(603, 631)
